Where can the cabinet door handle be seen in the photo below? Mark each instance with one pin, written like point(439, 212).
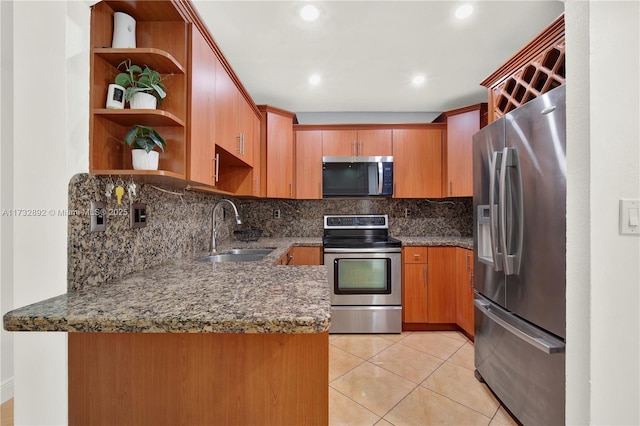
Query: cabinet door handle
point(450, 188)
point(471, 276)
point(466, 257)
point(242, 144)
point(216, 176)
point(424, 275)
point(291, 189)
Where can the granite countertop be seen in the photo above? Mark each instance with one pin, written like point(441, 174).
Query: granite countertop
point(187, 296)
point(190, 296)
point(463, 242)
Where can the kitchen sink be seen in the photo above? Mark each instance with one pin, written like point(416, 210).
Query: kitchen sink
point(237, 255)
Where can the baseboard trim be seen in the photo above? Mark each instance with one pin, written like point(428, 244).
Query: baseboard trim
point(6, 390)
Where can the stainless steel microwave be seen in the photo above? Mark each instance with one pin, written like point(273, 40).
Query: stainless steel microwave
point(357, 176)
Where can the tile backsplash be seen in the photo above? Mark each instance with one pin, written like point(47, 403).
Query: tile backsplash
point(179, 224)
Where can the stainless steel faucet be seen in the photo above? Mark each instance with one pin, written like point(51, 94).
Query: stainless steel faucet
point(214, 224)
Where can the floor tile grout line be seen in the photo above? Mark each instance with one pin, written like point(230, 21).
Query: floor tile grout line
point(456, 401)
point(357, 403)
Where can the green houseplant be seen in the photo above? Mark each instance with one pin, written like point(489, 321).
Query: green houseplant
point(143, 140)
point(141, 81)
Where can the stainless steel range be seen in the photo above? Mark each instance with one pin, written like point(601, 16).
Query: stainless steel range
point(364, 274)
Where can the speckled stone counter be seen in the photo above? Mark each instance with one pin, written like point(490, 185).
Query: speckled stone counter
point(462, 242)
point(188, 296)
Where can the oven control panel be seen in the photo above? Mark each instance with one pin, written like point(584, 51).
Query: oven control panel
point(356, 221)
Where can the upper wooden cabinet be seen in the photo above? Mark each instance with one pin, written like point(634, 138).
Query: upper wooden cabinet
point(209, 121)
point(276, 145)
point(161, 40)
point(234, 118)
point(417, 156)
point(535, 69)
point(457, 151)
point(202, 75)
point(360, 142)
point(308, 164)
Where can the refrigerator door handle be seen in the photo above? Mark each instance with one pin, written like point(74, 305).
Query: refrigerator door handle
point(539, 340)
point(496, 255)
point(511, 261)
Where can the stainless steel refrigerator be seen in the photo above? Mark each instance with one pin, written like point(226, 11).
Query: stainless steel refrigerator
point(519, 178)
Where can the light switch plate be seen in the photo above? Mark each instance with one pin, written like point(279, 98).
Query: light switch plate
point(98, 216)
point(629, 217)
point(138, 215)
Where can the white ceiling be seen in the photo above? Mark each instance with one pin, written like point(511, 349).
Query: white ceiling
point(367, 52)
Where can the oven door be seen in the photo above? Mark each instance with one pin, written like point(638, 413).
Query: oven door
point(364, 277)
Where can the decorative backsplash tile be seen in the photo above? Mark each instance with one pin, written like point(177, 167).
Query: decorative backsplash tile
point(179, 224)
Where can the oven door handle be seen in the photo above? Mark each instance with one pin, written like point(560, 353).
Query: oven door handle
point(364, 250)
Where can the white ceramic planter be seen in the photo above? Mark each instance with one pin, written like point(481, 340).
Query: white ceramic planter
point(143, 160)
point(141, 100)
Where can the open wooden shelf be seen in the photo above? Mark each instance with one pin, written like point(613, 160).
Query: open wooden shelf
point(156, 59)
point(131, 117)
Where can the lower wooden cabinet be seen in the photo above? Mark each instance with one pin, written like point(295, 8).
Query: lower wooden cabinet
point(437, 288)
point(302, 256)
point(464, 290)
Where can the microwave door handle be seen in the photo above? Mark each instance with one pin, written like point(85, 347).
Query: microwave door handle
point(380, 176)
point(497, 259)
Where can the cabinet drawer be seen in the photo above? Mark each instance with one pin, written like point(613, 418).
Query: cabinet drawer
point(415, 255)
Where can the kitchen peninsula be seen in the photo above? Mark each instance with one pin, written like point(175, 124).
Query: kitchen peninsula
point(195, 343)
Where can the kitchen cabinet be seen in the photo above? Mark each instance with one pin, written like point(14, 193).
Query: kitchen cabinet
point(360, 142)
point(414, 277)
point(536, 68)
point(301, 255)
point(464, 290)
point(205, 101)
point(417, 162)
point(308, 164)
point(441, 289)
point(202, 75)
point(457, 152)
point(429, 287)
point(234, 118)
point(276, 145)
point(162, 41)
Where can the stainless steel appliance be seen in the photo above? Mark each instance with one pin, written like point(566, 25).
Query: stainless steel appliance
point(357, 176)
point(364, 274)
point(519, 167)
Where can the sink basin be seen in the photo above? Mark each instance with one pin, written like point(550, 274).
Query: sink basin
point(252, 251)
point(237, 255)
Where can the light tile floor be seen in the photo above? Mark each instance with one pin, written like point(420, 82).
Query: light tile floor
point(413, 378)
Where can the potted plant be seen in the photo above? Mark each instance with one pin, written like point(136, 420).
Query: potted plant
point(143, 140)
point(145, 87)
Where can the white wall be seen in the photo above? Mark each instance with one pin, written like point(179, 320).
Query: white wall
point(603, 275)
point(603, 327)
point(6, 196)
point(50, 144)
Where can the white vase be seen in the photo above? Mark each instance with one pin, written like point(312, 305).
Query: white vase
point(124, 31)
point(143, 160)
point(142, 100)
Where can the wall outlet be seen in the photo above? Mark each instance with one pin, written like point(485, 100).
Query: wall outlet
point(407, 213)
point(276, 214)
point(98, 216)
point(138, 215)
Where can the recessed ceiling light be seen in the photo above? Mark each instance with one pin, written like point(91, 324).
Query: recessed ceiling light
point(419, 80)
point(314, 79)
point(464, 11)
point(309, 13)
